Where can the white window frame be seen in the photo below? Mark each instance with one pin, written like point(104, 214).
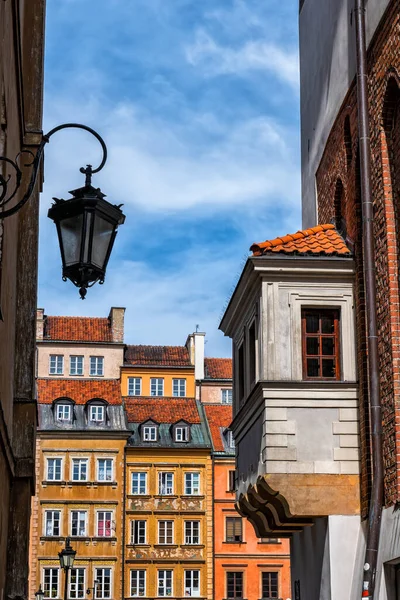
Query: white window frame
point(98, 586)
point(195, 592)
point(138, 573)
point(61, 411)
point(58, 367)
point(164, 578)
point(149, 433)
point(190, 534)
point(164, 524)
point(134, 386)
point(189, 479)
point(165, 488)
point(96, 366)
point(226, 396)
point(70, 584)
point(75, 370)
point(80, 512)
point(140, 534)
point(106, 479)
point(182, 433)
point(140, 475)
point(96, 413)
point(157, 384)
point(179, 386)
point(105, 511)
point(230, 439)
point(47, 513)
point(81, 462)
point(57, 570)
point(61, 468)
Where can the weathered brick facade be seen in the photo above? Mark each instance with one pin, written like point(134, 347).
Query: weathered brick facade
point(338, 191)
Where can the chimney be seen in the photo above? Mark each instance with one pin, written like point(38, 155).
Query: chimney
point(195, 346)
point(39, 323)
point(116, 318)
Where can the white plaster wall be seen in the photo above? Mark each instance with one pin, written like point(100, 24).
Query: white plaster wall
point(389, 552)
point(113, 359)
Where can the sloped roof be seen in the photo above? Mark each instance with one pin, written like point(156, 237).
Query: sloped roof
point(219, 417)
point(174, 356)
point(319, 240)
point(217, 368)
point(77, 329)
point(79, 390)
point(161, 410)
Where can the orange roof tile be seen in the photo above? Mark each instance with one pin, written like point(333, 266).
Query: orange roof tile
point(174, 356)
point(79, 390)
point(321, 239)
point(77, 329)
point(217, 368)
point(218, 415)
point(162, 410)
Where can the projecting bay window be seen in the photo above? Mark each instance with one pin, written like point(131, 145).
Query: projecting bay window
point(192, 484)
point(104, 523)
point(192, 532)
point(234, 585)
point(134, 386)
point(192, 583)
point(52, 523)
point(139, 484)
point(77, 588)
point(321, 344)
point(138, 532)
point(138, 583)
point(164, 588)
point(270, 585)
point(165, 484)
point(78, 523)
point(103, 586)
point(233, 526)
point(51, 582)
point(165, 532)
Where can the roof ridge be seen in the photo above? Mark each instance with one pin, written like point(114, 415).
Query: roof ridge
point(73, 317)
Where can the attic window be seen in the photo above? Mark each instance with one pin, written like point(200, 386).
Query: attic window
point(97, 414)
point(64, 412)
point(149, 433)
point(229, 438)
point(182, 434)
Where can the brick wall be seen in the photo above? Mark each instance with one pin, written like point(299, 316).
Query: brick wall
point(340, 163)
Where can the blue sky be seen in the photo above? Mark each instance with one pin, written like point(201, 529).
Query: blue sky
point(198, 103)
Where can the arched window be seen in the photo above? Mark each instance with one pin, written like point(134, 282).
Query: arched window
point(340, 208)
point(348, 141)
point(63, 410)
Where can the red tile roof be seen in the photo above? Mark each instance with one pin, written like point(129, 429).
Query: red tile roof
point(217, 368)
point(79, 390)
point(218, 415)
point(322, 239)
point(77, 329)
point(173, 356)
point(162, 410)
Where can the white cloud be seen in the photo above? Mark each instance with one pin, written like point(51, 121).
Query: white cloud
point(257, 55)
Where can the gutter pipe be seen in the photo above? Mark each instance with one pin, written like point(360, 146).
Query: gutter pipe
point(376, 497)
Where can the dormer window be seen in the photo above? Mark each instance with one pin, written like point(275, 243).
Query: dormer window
point(64, 412)
point(229, 438)
point(182, 434)
point(149, 433)
point(96, 413)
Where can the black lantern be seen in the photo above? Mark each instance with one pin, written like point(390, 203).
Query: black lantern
point(86, 226)
point(67, 556)
point(39, 595)
point(86, 223)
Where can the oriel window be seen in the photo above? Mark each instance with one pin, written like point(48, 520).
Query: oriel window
point(320, 341)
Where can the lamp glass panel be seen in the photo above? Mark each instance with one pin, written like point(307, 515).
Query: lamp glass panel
point(71, 237)
point(69, 560)
point(88, 233)
point(102, 235)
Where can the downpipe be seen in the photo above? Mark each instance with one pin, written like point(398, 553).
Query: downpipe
point(376, 497)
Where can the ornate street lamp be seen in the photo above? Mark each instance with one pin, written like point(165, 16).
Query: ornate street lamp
point(67, 557)
point(86, 223)
point(39, 595)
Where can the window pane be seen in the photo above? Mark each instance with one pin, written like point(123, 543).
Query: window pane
point(312, 345)
point(328, 346)
point(312, 367)
point(312, 323)
point(328, 368)
point(327, 324)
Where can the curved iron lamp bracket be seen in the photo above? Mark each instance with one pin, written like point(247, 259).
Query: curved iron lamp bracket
point(6, 195)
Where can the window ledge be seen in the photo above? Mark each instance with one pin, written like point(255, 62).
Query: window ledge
point(166, 546)
point(80, 482)
point(234, 542)
point(80, 538)
point(142, 496)
point(165, 496)
point(115, 483)
point(52, 482)
point(104, 539)
point(192, 546)
point(52, 538)
point(198, 496)
point(140, 545)
point(269, 543)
